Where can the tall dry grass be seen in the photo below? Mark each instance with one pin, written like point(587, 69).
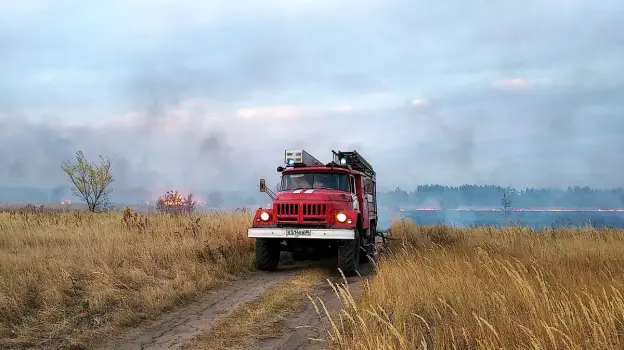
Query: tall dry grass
point(67, 279)
point(487, 288)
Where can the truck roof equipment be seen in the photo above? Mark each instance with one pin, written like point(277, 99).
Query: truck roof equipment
point(355, 160)
point(299, 156)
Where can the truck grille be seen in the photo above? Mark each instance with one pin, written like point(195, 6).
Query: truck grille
point(309, 212)
point(314, 209)
point(287, 209)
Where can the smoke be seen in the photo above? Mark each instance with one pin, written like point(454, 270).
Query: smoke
point(211, 143)
point(210, 97)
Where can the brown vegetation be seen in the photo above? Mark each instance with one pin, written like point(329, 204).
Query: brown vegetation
point(512, 288)
point(68, 278)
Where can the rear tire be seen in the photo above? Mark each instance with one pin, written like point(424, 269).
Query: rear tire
point(349, 255)
point(363, 252)
point(267, 254)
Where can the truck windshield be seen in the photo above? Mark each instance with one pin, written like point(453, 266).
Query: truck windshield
point(315, 180)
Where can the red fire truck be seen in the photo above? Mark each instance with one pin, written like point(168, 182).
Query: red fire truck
point(319, 209)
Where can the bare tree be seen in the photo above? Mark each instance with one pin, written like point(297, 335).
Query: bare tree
point(505, 202)
point(91, 181)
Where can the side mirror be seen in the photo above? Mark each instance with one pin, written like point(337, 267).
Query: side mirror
point(262, 185)
point(280, 169)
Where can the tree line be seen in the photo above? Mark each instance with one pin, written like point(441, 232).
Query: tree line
point(90, 182)
point(491, 196)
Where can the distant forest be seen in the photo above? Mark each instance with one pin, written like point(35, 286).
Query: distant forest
point(473, 196)
point(424, 196)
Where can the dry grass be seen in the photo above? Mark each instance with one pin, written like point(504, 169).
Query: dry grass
point(67, 279)
point(262, 318)
point(514, 288)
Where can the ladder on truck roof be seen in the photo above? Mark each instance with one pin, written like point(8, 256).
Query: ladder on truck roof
point(355, 160)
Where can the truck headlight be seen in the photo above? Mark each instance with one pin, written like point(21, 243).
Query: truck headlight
point(265, 216)
point(341, 217)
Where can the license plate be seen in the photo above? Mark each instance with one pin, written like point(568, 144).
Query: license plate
point(294, 232)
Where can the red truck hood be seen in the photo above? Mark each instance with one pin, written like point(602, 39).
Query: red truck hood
point(313, 195)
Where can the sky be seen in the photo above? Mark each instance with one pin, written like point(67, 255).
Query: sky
point(209, 94)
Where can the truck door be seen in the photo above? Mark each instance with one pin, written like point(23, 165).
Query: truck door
point(369, 198)
point(363, 198)
point(354, 197)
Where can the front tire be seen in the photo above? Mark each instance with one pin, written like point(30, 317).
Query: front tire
point(349, 255)
point(267, 254)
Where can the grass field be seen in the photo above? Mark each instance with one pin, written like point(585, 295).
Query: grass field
point(513, 288)
point(68, 279)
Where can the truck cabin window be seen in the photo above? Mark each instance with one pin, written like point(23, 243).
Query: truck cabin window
point(315, 180)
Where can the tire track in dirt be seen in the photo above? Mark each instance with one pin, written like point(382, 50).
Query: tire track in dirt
point(308, 330)
point(176, 328)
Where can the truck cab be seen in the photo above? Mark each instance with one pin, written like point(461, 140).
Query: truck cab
point(318, 210)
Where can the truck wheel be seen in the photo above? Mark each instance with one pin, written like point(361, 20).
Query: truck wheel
point(363, 257)
point(267, 254)
point(349, 255)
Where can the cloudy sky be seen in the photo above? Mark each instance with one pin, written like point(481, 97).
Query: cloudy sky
point(209, 93)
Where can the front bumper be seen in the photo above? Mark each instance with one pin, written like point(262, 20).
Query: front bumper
point(308, 233)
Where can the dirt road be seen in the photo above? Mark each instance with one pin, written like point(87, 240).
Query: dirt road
point(179, 328)
point(307, 329)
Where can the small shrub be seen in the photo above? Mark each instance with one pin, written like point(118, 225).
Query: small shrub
point(192, 227)
point(133, 220)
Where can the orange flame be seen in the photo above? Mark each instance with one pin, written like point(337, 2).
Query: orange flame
point(173, 201)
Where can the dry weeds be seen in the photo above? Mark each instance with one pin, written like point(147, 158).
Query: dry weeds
point(67, 279)
point(513, 288)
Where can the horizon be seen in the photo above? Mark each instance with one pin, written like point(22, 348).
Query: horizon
point(423, 197)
